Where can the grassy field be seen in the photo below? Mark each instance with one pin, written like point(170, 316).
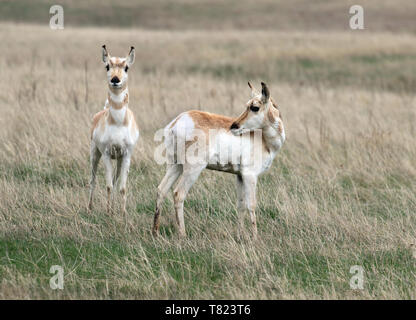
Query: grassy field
point(342, 191)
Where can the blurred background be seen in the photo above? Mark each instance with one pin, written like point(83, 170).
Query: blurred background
point(302, 15)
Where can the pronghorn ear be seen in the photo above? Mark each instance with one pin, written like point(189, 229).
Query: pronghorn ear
point(106, 56)
point(265, 93)
point(131, 56)
point(254, 92)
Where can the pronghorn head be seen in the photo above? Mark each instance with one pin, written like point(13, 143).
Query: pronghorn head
point(258, 113)
point(117, 69)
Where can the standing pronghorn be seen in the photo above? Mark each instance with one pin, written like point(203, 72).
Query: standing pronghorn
point(222, 134)
point(114, 131)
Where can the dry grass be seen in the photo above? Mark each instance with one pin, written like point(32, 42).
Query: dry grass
point(340, 193)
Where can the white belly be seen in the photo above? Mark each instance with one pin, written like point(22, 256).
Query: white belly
point(116, 136)
point(237, 154)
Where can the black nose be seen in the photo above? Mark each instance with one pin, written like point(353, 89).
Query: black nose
point(115, 80)
point(234, 126)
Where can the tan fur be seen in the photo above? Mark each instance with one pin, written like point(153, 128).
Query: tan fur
point(279, 113)
point(120, 105)
point(117, 66)
point(96, 120)
point(117, 63)
point(130, 118)
point(273, 114)
point(103, 118)
point(205, 120)
point(242, 117)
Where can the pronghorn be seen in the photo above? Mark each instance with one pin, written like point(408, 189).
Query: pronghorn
point(261, 115)
point(114, 130)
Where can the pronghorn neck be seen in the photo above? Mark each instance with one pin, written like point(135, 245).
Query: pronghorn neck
point(118, 100)
point(118, 104)
point(272, 133)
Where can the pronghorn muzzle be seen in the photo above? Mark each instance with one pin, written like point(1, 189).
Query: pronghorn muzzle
point(234, 126)
point(115, 80)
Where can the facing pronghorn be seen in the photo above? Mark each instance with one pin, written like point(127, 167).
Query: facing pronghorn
point(114, 130)
point(227, 146)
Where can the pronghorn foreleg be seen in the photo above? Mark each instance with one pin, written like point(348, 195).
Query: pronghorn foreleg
point(250, 182)
point(172, 174)
point(189, 176)
point(241, 207)
point(124, 172)
point(118, 169)
point(95, 156)
point(108, 177)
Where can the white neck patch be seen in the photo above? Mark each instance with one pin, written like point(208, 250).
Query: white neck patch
point(118, 114)
point(119, 98)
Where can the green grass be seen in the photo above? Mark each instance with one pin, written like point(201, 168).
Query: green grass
point(316, 272)
point(92, 260)
point(197, 271)
point(384, 72)
point(54, 174)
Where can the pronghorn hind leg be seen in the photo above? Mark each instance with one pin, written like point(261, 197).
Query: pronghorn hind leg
point(189, 176)
point(95, 156)
point(172, 174)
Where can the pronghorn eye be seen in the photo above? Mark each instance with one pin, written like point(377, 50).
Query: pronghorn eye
point(254, 108)
point(126, 68)
point(107, 67)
